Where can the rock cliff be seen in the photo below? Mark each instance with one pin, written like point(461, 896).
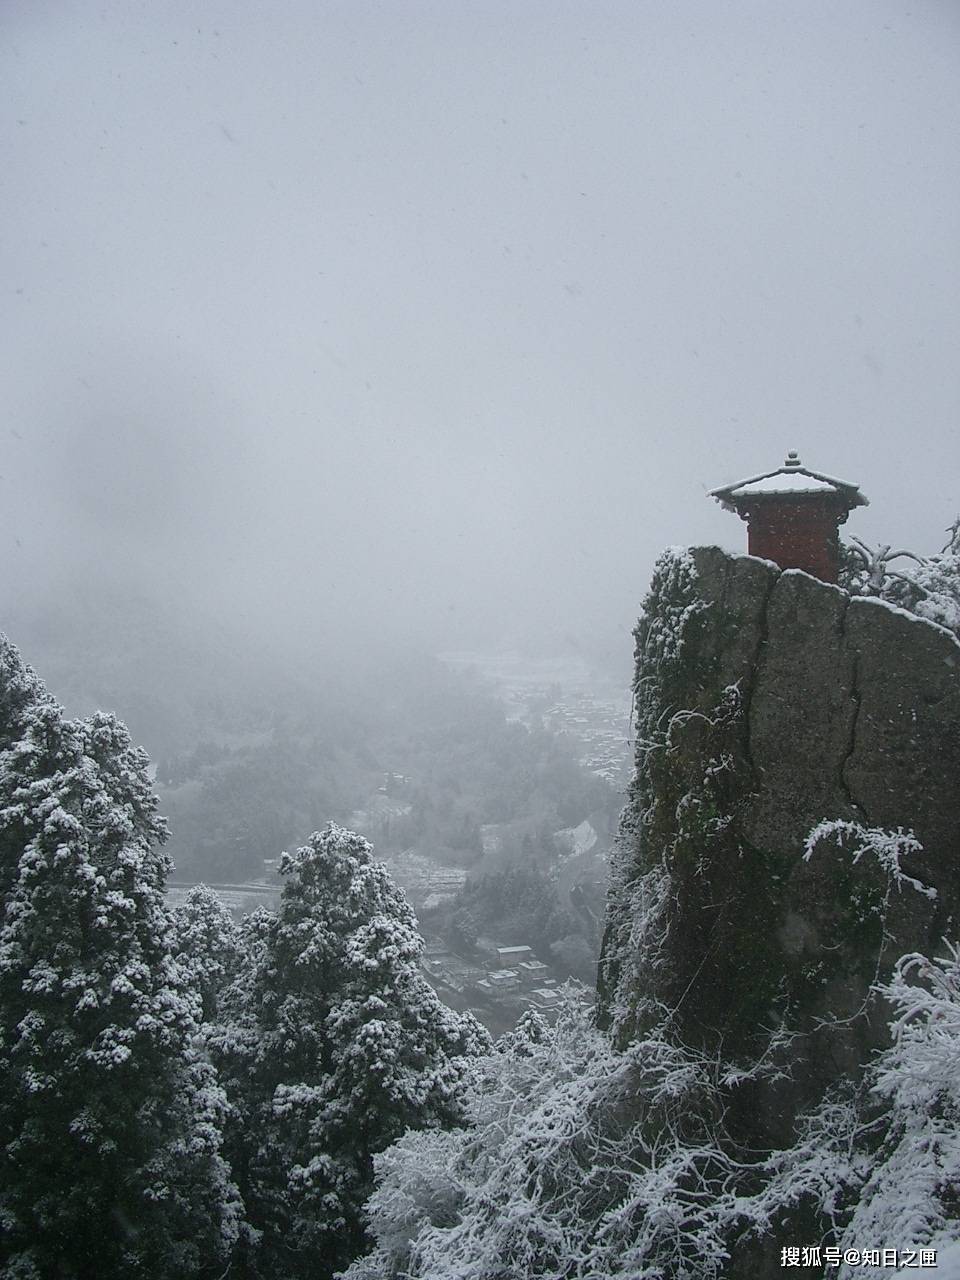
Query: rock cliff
point(792, 828)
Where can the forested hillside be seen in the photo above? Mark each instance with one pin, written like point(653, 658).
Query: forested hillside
point(254, 750)
point(179, 1095)
point(771, 1078)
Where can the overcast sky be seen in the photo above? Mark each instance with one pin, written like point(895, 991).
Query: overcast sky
point(441, 317)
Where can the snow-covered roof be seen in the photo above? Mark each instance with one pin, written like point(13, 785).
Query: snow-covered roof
point(792, 479)
point(577, 840)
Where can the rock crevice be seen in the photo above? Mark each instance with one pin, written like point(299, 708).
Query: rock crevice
point(856, 700)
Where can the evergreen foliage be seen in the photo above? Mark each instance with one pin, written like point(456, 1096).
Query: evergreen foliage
point(110, 1161)
point(209, 945)
point(331, 1045)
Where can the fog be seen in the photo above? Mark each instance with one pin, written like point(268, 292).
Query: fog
point(432, 323)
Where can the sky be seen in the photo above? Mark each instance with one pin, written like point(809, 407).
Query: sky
point(437, 320)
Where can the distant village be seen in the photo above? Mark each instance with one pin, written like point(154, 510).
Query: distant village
point(503, 984)
point(564, 697)
point(497, 986)
point(499, 982)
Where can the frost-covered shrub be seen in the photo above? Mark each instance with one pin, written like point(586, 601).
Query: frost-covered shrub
point(474, 1201)
point(887, 848)
point(110, 1159)
point(881, 1164)
point(931, 590)
point(579, 1161)
point(911, 1193)
point(331, 1044)
point(926, 586)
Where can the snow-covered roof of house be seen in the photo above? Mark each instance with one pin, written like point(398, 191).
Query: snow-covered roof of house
point(577, 840)
point(790, 480)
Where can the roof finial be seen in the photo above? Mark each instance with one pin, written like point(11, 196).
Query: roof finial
point(792, 459)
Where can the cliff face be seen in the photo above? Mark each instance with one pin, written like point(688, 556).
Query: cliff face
point(768, 704)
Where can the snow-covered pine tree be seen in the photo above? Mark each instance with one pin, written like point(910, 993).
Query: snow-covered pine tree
point(209, 945)
point(110, 1160)
point(336, 1046)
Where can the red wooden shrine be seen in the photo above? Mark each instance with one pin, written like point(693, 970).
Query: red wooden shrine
point(793, 515)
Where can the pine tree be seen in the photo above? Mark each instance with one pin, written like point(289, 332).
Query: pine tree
point(110, 1122)
point(336, 1046)
point(209, 945)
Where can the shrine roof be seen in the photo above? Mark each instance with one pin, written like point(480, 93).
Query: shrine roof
point(791, 480)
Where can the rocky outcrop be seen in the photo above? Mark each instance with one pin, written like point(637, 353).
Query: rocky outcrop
point(769, 703)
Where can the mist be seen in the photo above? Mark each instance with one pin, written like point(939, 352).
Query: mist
point(338, 327)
